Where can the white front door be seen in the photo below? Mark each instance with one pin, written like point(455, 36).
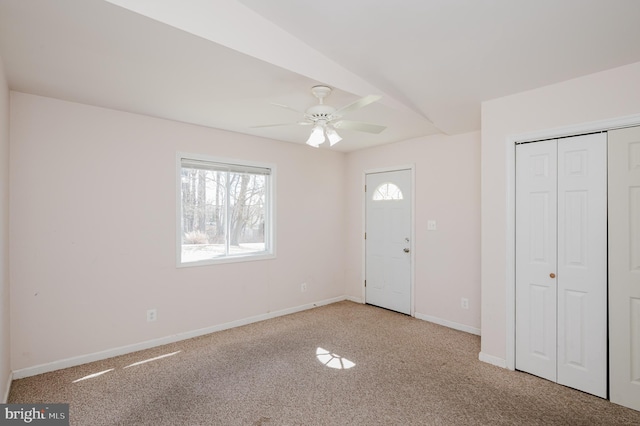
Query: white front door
point(561, 261)
point(388, 240)
point(624, 266)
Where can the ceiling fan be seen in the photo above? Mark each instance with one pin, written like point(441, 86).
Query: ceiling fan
point(325, 119)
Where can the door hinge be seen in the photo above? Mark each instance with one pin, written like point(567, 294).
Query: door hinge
point(365, 188)
point(365, 283)
point(365, 235)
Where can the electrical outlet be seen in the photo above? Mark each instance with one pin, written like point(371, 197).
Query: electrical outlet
point(152, 315)
point(431, 225)
point(464, 302)
point(303, 287)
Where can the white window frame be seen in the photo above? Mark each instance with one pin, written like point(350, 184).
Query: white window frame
point(270, 222)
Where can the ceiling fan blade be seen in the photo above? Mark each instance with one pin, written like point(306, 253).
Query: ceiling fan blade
point(273, 125)
point(287, 107)
point(359, 126)
point(358, 104)
point(301, 123)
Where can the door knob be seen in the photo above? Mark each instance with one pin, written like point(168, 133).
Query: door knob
point(406, 250)
point(552, 275)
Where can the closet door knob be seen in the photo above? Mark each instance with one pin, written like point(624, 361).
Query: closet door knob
point(552, 275)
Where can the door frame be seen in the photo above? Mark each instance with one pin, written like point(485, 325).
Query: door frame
point(363, 201)
point(510, 257)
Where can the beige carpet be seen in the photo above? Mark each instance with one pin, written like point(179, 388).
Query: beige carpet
point(406, 372)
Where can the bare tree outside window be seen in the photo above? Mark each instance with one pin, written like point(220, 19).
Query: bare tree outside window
point(224, 210)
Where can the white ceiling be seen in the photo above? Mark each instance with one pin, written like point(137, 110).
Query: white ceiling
point(221, 63)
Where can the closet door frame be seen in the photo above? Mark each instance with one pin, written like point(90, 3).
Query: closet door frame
point(510, 151)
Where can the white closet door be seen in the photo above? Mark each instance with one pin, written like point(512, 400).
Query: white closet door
point(536, 210)
point(561, 255)
point(582, 263)
point(624, 266)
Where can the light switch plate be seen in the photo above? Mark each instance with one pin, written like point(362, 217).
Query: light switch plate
point(431, 225)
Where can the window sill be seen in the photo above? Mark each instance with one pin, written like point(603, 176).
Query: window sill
point(228, 259)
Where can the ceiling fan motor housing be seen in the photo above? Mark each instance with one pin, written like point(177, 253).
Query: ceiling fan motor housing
point(321, 111)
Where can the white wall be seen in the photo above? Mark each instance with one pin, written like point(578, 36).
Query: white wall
point(602, 96)
point(5, 370)
point(447, 189)
point(92, 233)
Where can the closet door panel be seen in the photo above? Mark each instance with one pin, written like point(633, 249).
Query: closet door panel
point(536, 258)
point(582, 263)
point(624, 266)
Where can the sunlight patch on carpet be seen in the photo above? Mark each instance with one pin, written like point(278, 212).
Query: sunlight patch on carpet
point(332, 360)
point(152, 359)
point(91, 376)
point(100, 373)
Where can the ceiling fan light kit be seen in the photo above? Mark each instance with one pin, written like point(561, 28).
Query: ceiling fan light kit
point(333, 136)
point(325, 119)
point(322, 132)
point(317, 136)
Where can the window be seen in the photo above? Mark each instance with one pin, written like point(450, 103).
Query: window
point(387, 191)
point(225, 210)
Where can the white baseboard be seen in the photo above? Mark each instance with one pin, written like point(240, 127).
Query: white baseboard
point(354, 299)
point(493, 360)
point(5, 397)
point(110, 353)
point(450, 324)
